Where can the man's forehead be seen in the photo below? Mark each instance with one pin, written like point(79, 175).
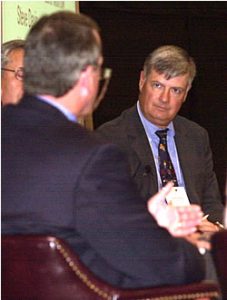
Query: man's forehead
point(164, 77)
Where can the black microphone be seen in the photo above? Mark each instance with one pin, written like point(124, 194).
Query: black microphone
point(147, 170)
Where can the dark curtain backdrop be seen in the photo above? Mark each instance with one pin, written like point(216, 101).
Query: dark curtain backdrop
point(132, 29)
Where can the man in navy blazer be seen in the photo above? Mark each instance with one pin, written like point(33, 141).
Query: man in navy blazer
point(164, 83)
point(58, 179)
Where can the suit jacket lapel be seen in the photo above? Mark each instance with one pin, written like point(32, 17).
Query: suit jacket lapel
point(139, 143)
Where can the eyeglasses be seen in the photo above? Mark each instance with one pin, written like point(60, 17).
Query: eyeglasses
point(19, 72)
point(104, 79)
point(105, 75)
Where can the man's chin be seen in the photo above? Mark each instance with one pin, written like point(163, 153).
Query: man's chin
point(161, 121)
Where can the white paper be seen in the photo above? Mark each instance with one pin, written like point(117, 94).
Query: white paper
point(177, 197)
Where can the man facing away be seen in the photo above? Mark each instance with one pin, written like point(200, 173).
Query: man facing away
point(58, 179)
point(12, 71)
point(164, 83)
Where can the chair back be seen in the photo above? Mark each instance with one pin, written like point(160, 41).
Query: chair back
point(44, 267)
point(219, 254)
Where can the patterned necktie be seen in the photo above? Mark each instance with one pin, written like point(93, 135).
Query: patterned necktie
point(166, 168)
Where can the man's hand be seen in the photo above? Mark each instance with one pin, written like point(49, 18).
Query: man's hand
point(206, 226)
point(179, 221)
point(187, 220)
point(201, 241)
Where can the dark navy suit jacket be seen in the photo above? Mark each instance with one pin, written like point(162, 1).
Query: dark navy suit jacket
point(58, 179)
point(194, 154)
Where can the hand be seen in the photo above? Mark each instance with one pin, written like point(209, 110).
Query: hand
point(187, 220)
point(179, 221)
point(199, 240)
point(207, 226)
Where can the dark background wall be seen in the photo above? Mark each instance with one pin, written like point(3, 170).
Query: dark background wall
point(132, 29)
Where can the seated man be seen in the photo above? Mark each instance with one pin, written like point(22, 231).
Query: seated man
point(12, 71)
point(166, 78)
point(58, 179)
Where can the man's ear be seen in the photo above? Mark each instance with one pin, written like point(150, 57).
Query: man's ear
point(84, 83)
point(84, 91)
point(142, 80)
point(186, 94)
point(185, 97)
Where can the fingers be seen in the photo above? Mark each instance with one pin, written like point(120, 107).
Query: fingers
point(181, 232)
point(189, 217)
point(161, 195)
point(181, 229)
point(155, 201)
point(179, 221)
point(190, 214)
point(206, 226)
point(166, 189)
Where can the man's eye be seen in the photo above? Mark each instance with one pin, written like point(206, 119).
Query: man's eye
point(177, 91)
point(156, 85)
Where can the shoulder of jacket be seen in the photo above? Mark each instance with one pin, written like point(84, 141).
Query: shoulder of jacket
point(188, 126)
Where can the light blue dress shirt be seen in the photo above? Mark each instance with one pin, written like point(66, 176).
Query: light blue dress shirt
point(71, 117)
point(154, 142)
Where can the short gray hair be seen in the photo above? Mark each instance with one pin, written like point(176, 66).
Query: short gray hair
point(8, 47)
point(171, 61)
point(58, 47)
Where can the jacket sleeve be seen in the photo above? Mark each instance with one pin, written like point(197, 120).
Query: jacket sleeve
point(115, 223)
point(211, 199)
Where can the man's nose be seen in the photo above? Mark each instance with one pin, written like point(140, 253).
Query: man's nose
point(165, 95)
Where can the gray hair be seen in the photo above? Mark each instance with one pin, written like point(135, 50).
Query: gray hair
point(58, 47)
point(8, 47)
point(171, 61)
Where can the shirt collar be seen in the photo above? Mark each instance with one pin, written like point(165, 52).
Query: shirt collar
point(71, 117)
